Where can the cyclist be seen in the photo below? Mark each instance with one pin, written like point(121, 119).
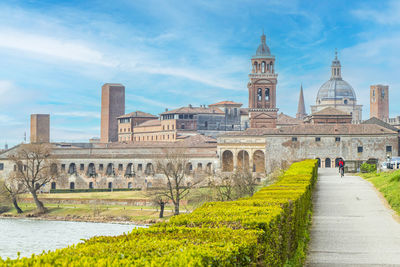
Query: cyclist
point(341, 167)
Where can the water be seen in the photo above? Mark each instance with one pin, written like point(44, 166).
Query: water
point(33, 236)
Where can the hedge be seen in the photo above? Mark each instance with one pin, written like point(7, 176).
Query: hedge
point(265, 229)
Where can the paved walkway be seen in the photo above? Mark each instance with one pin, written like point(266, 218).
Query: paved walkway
point(351, 225)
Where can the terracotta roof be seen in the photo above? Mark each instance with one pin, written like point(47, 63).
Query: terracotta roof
point(287, 120)
point(137, 114)
point(194, 110)
point(225, 103)
point(199, 139)
point(155, 122)
point(330, 111)
point(318, 129)
point(379, 122)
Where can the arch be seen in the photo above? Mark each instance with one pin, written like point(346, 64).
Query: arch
point(266, 94)
point(263, 67)
point(72, 185)
point(149, 169)
point(72, 168)
point(53, 185)
point(319, 162)
point(130, 185)
point(199, 166)
point(110, 185)
point(258, 161)
point(243, 160)
point(327, 163)
point(227, 161)
point(53, 169)
point(129, 170)
point(256, 66)
point(259, 94)
point(90, 185)
point(189, 168)
point(209, 167)
point(110, 169)
point(91, 170)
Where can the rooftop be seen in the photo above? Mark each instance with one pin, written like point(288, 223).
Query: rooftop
point(194, 110)
point(137, 114)
point(155, 122)
point(222, 103)
point(331, 111)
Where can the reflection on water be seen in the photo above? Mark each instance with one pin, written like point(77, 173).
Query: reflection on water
point(34, 236)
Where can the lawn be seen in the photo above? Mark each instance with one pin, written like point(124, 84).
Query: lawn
point(388, 183)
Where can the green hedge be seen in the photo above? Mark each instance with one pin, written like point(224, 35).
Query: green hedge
point(58, 191)
point(265, 229)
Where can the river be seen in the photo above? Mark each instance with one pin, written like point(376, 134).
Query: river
point(29, 236)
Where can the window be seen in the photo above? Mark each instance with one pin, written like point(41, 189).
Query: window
point(388, 148)
point(63, 167)
point(191, 116)
point(82, 167)
point(91, 185)
point(294, 139)
point(345, 101)
point(180, 116)
point(101, 167)
point(1, 166)
point(266, 94)
point(317, 139)
point(383, 94)
point(206, 124)
point(359, 149)
point(337, 139)
point(139, 167)
point(259, 94)
point(120, 167)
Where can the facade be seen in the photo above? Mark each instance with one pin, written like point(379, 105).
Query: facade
point(112, 106)
point(40, 128)
point(338, 94)
point(328, 143)
point(115, 165)
point(127, 122)
point(379, 102)
point(262, 88)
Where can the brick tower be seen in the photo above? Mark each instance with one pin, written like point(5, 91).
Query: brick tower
point(112, 106)
point(379, 102)
point(40, 128)
point(262, 88)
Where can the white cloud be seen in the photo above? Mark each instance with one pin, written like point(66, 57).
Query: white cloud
point(388, 16)
point(65, 49)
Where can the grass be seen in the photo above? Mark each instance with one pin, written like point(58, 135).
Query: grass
point(388, 183)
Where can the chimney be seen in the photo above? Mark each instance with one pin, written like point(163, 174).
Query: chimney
point(190, 105)
point(166, 109)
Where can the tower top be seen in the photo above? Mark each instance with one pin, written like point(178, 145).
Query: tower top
point(336, 68)
point(301, 109)
point(263, 49)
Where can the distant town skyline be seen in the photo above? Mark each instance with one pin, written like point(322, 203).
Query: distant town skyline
point(56, 55)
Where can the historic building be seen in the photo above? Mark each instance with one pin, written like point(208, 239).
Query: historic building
point(127, 122)
point(262, 88)
point(338, 94)
point(112, 106)
point(379, 102)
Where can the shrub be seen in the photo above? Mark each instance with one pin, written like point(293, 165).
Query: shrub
point(365, 167)
point(267, 229)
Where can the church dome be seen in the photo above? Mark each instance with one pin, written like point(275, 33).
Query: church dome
point(336, 89)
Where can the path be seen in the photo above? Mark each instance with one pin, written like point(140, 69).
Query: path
point(351, 225)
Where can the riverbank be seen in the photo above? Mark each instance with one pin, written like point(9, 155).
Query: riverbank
point(142, 215)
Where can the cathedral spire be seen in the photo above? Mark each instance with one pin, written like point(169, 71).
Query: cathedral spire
point(301, 109)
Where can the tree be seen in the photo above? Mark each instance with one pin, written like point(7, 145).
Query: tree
point(11, 190)
point(223, 187)
point(34, 167)
point(176, 170)
point(245, 183)
point(158, 199)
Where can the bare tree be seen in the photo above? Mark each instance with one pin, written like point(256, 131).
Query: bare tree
point(244, 182)
point(223, 187)
point(34, 167)
point(177, 182)
point(158, 199)
point(12, 190)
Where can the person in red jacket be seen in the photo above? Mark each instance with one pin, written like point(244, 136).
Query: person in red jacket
point(341, 167)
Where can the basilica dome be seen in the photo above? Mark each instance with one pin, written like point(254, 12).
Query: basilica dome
point(335, 89)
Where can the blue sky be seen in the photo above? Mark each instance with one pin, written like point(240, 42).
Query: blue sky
point(55, 55)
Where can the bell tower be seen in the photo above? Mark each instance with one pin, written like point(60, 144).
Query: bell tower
point(262, 88)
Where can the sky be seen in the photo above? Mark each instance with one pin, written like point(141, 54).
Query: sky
point(56, 55)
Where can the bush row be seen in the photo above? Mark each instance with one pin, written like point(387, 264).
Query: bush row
point(264, 229)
